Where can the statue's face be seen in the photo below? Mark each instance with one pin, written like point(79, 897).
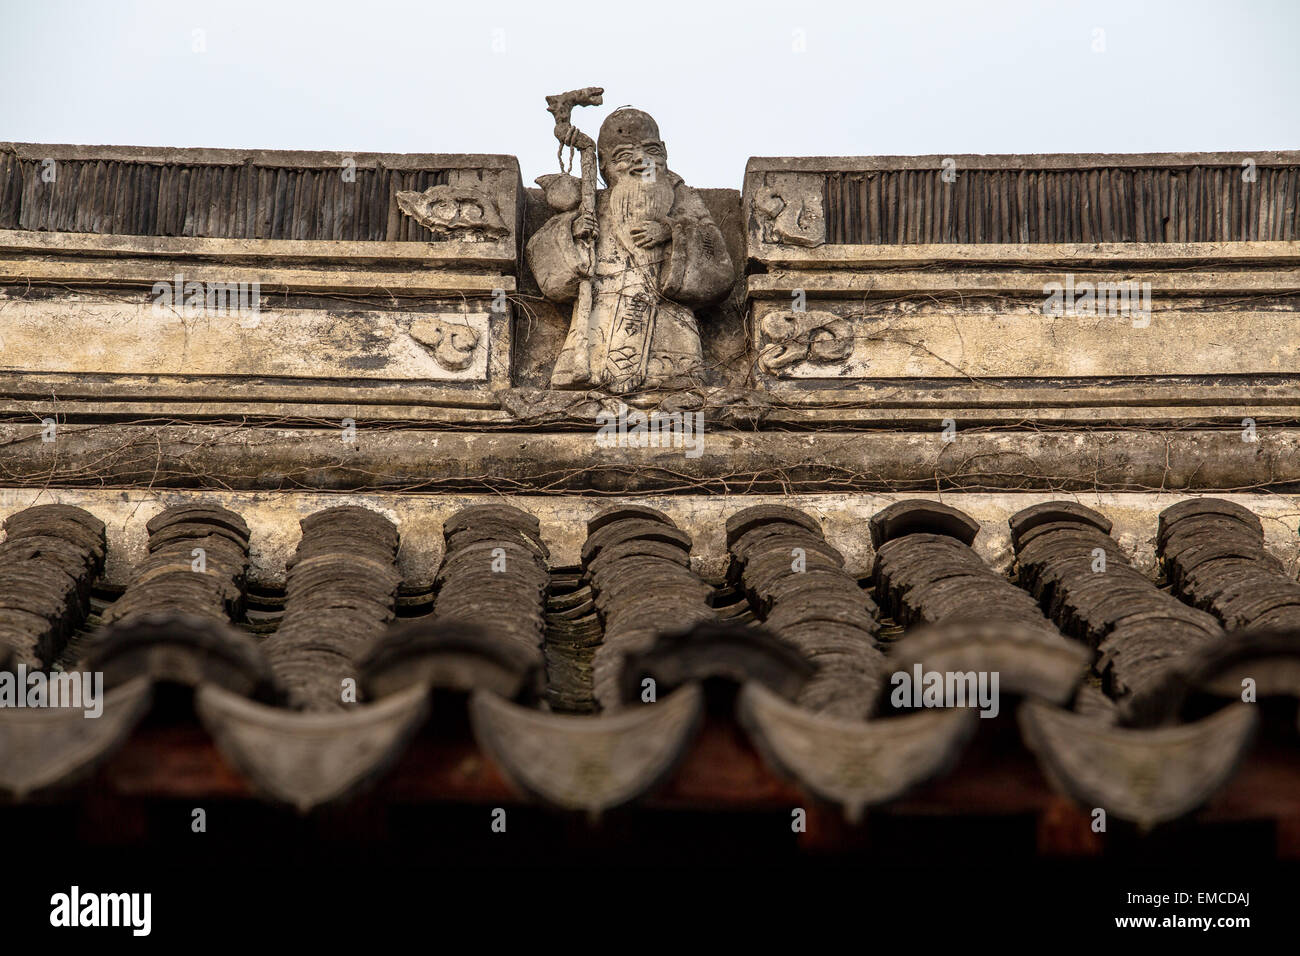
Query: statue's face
point(647, 160)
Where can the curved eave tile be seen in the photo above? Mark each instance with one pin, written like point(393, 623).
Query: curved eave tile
point(587, 763)
point(853, 763)
point(42, 747)
point(1144, 776)
point(306, 759)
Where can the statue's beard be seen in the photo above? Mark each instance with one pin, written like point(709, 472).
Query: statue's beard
point(633, 201)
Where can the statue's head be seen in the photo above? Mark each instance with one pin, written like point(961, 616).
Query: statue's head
point(629, 146)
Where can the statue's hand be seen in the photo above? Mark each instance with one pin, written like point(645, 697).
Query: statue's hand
point(584, 225)
point(652, 232)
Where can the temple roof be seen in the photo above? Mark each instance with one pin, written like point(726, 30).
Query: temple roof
point(286, 466)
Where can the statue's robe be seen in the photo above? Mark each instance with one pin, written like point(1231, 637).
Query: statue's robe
point(640, 330)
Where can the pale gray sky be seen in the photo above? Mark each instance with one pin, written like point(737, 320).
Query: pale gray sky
point(726, 80)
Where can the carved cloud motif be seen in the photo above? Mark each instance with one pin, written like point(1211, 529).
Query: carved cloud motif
point(790, 215)
point(454, 212)
point(451, 344)
point(790, 337)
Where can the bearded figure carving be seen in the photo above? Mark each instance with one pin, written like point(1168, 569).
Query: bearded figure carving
point(635, 266)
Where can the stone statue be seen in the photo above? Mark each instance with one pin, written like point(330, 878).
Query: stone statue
point(635, 258)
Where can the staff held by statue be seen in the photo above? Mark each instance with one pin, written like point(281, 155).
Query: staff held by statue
point(561, 107)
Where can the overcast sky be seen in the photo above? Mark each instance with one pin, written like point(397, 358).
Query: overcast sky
point(725, 80)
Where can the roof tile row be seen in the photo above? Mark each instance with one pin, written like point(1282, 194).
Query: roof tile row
point(497, 599)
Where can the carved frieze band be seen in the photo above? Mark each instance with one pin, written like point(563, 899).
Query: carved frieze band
point(814, 202)
point(110, 337)
point(264, 195)
point(981, 339)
